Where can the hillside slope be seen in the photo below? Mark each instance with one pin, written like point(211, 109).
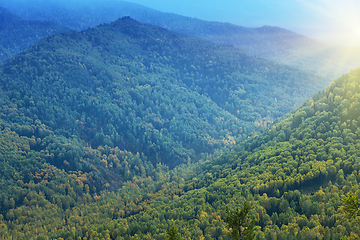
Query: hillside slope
point(17, 34)
point(148, 90)
point(85, 112)
point(294, 175)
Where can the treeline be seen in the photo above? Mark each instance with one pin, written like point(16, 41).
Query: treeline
point(294, 175)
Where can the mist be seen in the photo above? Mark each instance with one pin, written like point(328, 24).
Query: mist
point(327, 21)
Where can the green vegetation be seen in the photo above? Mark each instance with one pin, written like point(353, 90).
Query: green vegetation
point(173, 234)
point(352, 203)
point(293, 176)
point(240, 222)
point(111, 133)
point(142, 89)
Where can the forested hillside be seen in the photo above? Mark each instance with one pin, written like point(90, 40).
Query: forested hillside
point(115, 132)
point(17, 34)
point(270, 42)
point(143, 89)
point(293, 175)
point(84, 112)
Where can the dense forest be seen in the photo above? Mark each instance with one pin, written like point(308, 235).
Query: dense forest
point(123, 131)
point(294, 175)
point(143, 89)
point(269, 42)
point(17, 34)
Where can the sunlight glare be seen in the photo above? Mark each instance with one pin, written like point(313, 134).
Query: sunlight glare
point(339, 20)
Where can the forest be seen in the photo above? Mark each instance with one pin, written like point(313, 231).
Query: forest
point(127, 130)
point(128, 85)
point(294, 174)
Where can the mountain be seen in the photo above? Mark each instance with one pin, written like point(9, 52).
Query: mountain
point(270, 42)
point(17, 34)
point(145, 89)
point(293, 175)
point(83, 113)
point(90, 122)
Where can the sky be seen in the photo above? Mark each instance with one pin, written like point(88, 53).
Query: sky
point(332, 21)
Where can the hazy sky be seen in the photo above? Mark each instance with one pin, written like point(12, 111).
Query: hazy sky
point(335, 21)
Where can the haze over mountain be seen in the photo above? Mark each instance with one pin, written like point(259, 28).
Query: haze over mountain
point(17, 34)
point(328, 21)
point(273, 43)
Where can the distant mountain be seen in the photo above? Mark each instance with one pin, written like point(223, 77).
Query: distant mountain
point(17, 34)
point(273, 43)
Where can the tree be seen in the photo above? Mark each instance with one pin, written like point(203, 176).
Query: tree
point(240, 222)
point(172, 233)
point(352, 208)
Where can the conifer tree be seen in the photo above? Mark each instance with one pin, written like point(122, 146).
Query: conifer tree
point(352, 209)
point(240, 222)
point(173, 233)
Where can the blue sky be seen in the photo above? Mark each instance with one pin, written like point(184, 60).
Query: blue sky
point(332, 21)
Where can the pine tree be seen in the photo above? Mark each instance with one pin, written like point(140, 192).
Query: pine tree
point(172, 233)
point(240, 222)
point(352, 209)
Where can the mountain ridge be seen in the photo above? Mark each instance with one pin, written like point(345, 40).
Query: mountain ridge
point(283, 45)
